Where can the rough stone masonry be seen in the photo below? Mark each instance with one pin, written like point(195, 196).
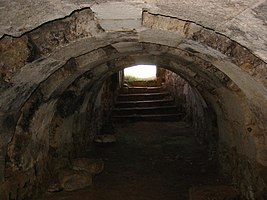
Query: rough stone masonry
point(57, 59)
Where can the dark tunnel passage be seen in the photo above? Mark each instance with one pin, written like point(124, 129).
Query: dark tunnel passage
point(59, 86)
point(152, 157)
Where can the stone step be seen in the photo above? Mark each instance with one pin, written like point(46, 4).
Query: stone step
point(148, 103)
point(145, 104)
point(139, 90)
point(143, 96)
point(159, 117)
point(146, 110)
point(150, 83)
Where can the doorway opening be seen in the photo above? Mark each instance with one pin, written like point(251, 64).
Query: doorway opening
point(141, 76)
point(140, 73)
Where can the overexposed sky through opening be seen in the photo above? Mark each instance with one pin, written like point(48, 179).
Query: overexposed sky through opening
point(141, 71)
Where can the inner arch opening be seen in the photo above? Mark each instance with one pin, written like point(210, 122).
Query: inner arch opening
point(153, 143)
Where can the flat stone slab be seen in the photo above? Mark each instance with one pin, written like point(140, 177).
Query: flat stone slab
point(71, 180)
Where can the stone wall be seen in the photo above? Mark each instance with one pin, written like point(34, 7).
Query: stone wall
point(195, 108)
point(248, 175)
point(224, 133)
point(104, 104)
point(48, 135)
point(178, 87)
point(240, 141)
point(76, 132)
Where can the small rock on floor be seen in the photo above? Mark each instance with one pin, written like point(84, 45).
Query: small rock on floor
point(92, 166)
point(71, 180)
point(105, 139)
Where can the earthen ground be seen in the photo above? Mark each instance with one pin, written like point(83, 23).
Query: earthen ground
point(151, 160)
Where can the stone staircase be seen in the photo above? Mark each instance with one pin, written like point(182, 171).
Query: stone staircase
point(145, 104)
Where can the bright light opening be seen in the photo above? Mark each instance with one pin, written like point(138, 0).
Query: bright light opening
point(140, 73)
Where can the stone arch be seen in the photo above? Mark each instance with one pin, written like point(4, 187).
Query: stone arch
point(224, 71)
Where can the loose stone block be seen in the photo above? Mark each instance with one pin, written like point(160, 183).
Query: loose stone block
point(92, 166)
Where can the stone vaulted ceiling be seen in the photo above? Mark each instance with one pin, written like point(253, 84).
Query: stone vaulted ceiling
point(242, 21)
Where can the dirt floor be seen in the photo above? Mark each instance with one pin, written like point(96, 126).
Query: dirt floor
point(151, 160)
